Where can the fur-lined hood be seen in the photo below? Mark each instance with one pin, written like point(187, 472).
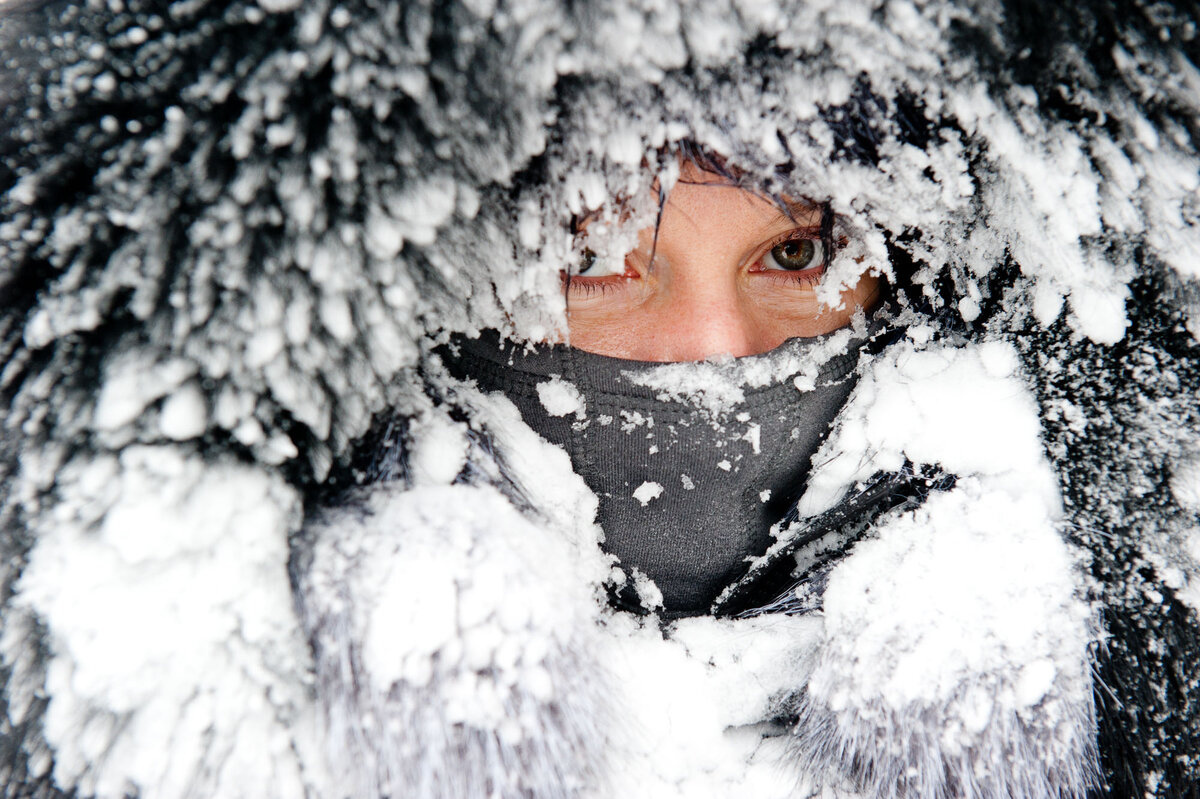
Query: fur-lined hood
point(233, 235)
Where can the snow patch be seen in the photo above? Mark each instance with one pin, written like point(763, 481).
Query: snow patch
point(470, 676)
point(698, 695)
point(170, 619)
point(1185, 483)
point(717, 386)
point(184, 415)
point(959, 629)
point(647, 491)
point(559, 398)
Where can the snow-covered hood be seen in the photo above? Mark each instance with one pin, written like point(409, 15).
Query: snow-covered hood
point(232, 233)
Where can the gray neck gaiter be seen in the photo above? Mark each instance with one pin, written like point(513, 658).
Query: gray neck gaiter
point(692, 462)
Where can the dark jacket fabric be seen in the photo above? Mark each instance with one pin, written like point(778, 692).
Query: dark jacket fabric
point(253, 533)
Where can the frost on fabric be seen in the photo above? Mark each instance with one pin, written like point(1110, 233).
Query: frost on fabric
point(647, 492)
point(717, 385)
point(559, 398)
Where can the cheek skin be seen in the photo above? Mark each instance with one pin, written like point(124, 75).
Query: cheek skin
point(603, 331)
point(790, 316)
point(632, 326)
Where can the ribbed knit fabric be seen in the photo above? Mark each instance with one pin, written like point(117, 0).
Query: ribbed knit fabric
point(688, 487)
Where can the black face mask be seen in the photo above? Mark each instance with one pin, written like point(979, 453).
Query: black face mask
point(692, 462)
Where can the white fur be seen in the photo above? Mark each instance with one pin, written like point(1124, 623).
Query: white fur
point(956, 658)
point(174, 667)
point(455, 649)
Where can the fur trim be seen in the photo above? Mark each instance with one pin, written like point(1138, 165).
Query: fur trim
point(226, 231)
point(166, 647)
point(454, 646)
point(925, 686)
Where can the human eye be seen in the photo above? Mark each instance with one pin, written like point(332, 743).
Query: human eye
point(796, 258)
point(596, 274)
point(800, 252)
point(593, 266)
point(596, 270)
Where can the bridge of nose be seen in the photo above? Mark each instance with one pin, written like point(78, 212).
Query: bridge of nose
point(701, 312)
point(706, 232)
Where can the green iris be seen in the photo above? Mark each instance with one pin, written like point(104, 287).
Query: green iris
point(795, 254)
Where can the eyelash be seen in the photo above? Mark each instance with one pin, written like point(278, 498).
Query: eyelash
point(579, 284)
point(798, 279)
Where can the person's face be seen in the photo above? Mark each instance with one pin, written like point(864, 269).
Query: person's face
point(733, 274)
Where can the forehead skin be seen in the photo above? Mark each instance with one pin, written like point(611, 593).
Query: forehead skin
point(711, 207)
